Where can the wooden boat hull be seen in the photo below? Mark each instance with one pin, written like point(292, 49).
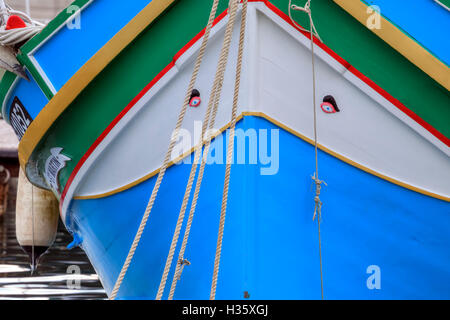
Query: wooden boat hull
point(271, 243)
point(384, 157)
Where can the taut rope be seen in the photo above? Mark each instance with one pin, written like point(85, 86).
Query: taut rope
point(182, 262)
point(230, 151)
point(167, 158)
point(318, 203)
point(213, 104)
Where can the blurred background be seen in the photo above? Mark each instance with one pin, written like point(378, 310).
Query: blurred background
point(42, 10)
point(54, 278)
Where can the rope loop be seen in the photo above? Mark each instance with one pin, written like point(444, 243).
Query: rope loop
point(306, 9)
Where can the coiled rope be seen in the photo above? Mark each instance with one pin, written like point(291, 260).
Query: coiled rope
point(168, 155)
point(318, 183)
point(15, 36)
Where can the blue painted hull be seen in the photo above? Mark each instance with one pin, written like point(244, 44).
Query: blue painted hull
point(76, 45)
point(75, 42)
point(271, 243)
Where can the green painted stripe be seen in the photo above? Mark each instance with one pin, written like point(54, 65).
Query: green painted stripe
point(382, 64)
point(59, 20)
point(445, 3)
point(26, 61)
point(90, 114)
point(122, 80)
point(6, 83)
point(367, 3)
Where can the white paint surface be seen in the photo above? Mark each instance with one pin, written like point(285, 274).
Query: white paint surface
point(277, 81)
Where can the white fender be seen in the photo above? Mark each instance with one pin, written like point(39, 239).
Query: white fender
point(42, 207)
point(4, 188)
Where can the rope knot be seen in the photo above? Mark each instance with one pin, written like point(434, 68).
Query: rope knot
point(318, 206)
point(306, 8)
point(182, 263)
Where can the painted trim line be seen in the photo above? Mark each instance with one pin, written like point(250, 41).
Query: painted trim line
point(96, 64)
point(443, 5)
point(9, 82)
point(28, 49)
point(26, 58)
point(67, 195)
point(293, 132)
point(401, 42)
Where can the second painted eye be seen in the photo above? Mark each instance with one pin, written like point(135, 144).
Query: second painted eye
point(195, 102)
point(195, 99)
point(328, 107)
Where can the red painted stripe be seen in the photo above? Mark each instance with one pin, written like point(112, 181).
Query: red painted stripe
point(110, 127)
point(286, 18)
point(400, 106)
point(362, 77)
point(131, 105)
point(197, 37)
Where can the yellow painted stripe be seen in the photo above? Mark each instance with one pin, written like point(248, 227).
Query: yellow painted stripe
point(290, 130)
point(85, 75)
point(407, 46)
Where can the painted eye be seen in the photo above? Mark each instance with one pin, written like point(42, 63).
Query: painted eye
point(195, 102)
point(329, 105)
point(328, 108)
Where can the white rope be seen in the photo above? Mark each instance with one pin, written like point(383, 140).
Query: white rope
point(15, 36)
point(3, 12)
point(19, 35)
